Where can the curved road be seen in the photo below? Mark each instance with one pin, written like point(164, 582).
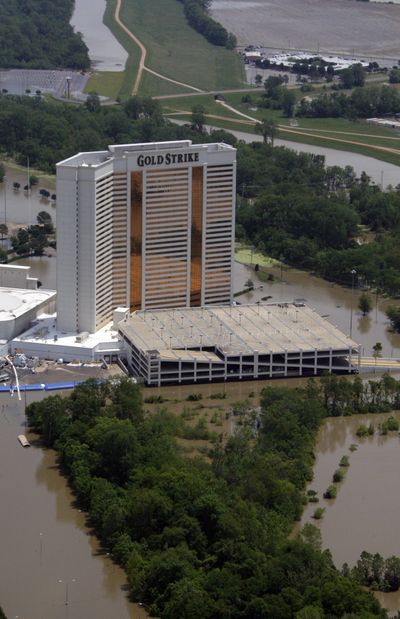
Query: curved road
point(143, 54)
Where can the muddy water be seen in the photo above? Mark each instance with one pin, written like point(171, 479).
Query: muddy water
point(47, 554)
point(364, 515)
point(324, 25)
point(327, 299)
point(105, 53)
point(16, 206)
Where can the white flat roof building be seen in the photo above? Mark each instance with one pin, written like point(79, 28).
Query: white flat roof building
point(19, 307)
point(143, 226)
point(234, 343)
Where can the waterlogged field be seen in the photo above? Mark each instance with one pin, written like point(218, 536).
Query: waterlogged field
point(327, 25)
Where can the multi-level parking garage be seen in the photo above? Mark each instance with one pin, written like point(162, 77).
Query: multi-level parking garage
point(234, 343)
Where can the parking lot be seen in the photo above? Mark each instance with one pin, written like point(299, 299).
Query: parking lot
point(57, 83)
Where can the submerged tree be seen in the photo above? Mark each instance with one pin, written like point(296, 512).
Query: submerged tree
point(365, 303)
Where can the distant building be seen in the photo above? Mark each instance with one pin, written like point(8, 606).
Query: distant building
point(389, 123)
point(143, 226)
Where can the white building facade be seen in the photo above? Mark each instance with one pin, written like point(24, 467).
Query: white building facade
point(144, 226)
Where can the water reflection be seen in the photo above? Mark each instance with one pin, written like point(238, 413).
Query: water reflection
point(364, 514)
point(46, 540)
point(17, 207)
point(329, 300)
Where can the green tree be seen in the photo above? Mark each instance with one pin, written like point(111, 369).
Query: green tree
point(365, 303)
point(44, 219)
point(92, 103)
point(3, 231)
point(288, 102)
point(393, 313)
point(198, 118)
point(268, 129)
point(376, 352)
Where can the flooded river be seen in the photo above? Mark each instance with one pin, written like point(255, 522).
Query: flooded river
point(343, 26)
point(48, 556)
point(105, 53)
point(364, 514)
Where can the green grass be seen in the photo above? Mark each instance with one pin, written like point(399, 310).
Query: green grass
point(154, 86)
point(132, 64)
point(178, 51)
point(246, 256)
point(106, 83)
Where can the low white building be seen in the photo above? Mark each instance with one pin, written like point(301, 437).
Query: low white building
point(20, 307)
point(43, 340)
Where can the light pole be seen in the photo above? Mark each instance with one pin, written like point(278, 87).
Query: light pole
point(353, 273)
point(66, 589)
point(5, 199)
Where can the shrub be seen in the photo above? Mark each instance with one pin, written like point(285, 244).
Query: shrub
point(362, 430)
point(319, 512)
point(344, 461)
point(330, 492)
point(338, 475)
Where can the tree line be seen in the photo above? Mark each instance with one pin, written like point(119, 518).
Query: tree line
point(36, 34)
point(198, 17)
point(50, 131)
point(202, 538)
point(365, 102)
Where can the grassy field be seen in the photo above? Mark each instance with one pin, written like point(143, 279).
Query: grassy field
point(124, 89)
point(153, 86)
point(176, 50)
point(106, 83)
point(247, 255)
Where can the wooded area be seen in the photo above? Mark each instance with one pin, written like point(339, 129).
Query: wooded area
point(207, 537)
point(36, 34)
point(294, 208)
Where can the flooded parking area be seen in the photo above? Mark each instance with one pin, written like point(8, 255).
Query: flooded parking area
point(317, 25)
point(51, 565)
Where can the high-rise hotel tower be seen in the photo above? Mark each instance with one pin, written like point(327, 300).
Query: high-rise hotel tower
point(144, 226)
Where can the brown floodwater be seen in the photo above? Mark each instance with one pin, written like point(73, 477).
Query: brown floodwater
point(16, 206)
point(48, 556)
point(327, 299)
point(364, 514)
point(343, 26)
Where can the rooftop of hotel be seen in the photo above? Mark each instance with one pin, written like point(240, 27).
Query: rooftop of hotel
point(122, 150)
point(234, 330)
point(14, 302)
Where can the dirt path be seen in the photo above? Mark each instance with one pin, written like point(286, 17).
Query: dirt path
point(143, 54)
point(168, 79)
point(306, 134)
point(143, 50)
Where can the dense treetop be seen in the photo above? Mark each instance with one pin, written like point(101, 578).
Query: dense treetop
point(36, 34)
point(293, 206)
point(202, 539)
point(50, 131)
